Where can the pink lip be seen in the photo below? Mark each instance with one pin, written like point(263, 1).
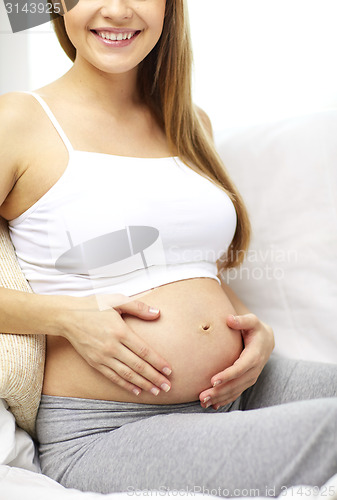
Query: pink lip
point(116, 43)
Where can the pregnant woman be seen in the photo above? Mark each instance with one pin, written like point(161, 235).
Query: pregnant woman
point(122, 218)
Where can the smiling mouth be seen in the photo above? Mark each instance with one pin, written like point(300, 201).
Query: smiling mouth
point(115, 37)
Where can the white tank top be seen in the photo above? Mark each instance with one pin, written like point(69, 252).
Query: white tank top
point(115, 224)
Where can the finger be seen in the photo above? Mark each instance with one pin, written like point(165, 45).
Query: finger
point(137, 371)
point(139, 309)
point(127, 373)
point(124, 304)
point(248, 359)
point(230, 388)
point(237, 370)
point(221, 401)
point(218, 403)
point(116, 379)
point(145, 352)
point(111, 300)
point(242, 322)
point(231, 391)
point(230, 396)
point(242, 367)
point(224, 398)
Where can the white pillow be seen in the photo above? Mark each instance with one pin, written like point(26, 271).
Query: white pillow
point(16, 446)
point(287, 175)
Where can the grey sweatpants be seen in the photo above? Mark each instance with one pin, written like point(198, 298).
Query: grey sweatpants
point(286, 435)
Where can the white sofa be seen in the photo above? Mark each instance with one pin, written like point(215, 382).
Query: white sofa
point(287, 174)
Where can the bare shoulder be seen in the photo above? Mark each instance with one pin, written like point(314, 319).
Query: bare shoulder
point(205, 120)
point(14, 103)
point(16, 117)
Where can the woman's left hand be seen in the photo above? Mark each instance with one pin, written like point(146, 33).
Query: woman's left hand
point(228, 385)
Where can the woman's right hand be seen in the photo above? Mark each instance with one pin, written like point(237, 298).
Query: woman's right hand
point(101, 336)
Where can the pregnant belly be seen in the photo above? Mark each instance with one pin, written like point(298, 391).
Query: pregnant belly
point(191, 334)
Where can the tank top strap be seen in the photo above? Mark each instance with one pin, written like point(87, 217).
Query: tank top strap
point(52, 118)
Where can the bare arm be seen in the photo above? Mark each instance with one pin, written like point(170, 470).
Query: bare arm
point(101, 337)
point(25, 313)
point(20, 312)
point(10, 131)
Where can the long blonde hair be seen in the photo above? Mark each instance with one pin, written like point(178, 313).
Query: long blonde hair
point(164, 80)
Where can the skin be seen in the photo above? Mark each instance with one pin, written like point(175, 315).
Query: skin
point(101, 85)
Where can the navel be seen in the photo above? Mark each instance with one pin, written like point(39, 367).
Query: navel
point(206, 327)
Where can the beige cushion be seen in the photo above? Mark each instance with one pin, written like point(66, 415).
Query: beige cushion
point(21, 356)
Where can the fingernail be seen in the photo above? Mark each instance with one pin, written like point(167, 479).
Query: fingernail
point(155, 391)
point(167, 371)
point(153, 310)
point(217, 382)
point(235, 318)
point(165, 387)
point(206, 399)
point(208, 404)
point(216, 407)
point(136, 391)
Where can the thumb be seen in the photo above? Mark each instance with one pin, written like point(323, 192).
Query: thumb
point(124, 304)
point(242, 322)
point(139, 309)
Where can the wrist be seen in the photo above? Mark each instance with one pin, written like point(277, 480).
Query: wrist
point(60, 312)
point(32, 314)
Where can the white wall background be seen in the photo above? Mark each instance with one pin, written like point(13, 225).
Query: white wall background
point(255, 60)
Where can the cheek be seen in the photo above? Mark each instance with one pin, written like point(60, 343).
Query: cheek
point(157, 27)
point(70, 29)
point(74, 22)
point(153, 14)
point(159, 12)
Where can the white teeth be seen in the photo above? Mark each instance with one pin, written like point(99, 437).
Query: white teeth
point(114, 36)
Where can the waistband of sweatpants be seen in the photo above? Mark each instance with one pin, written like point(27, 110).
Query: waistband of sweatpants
point(65, 418)
point(70, 403)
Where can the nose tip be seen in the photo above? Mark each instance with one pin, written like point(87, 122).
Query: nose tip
point(116, 9)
